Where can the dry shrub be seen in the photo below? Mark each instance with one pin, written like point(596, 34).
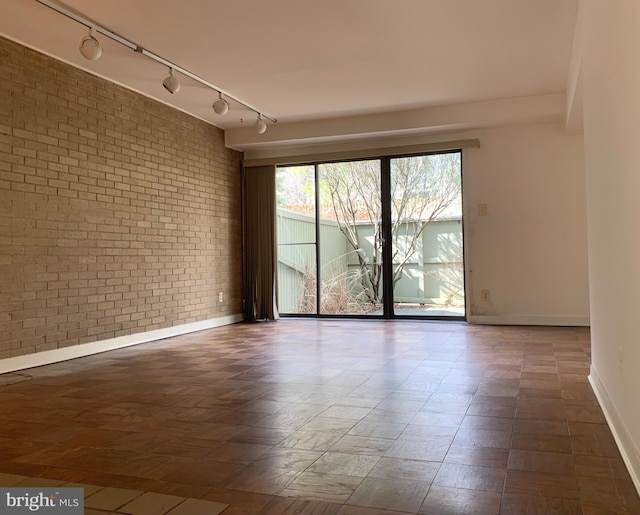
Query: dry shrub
point(339, 293)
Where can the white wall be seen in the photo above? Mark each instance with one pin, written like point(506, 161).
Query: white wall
point(611, 87)
point(530, 251)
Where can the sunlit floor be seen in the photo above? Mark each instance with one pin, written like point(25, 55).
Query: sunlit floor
point(326, 417)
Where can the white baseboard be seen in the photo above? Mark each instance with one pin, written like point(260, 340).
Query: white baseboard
point(628, 450)
point(569, 321)
point(86, 349)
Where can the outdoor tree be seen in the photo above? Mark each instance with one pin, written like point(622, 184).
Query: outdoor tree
point(353, 191)
point(422, 188)
point(295, 186)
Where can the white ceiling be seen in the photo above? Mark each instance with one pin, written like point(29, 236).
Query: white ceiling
point(307, 61)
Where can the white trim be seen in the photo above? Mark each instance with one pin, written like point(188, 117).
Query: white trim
point(86, 349)
point(569, 321)
point(630, 455)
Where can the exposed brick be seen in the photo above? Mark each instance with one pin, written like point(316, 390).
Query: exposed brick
point(118, 214)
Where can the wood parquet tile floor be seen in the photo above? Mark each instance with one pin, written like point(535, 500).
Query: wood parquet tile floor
point(329, 417)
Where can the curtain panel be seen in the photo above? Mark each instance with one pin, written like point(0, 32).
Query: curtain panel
point(260, 250)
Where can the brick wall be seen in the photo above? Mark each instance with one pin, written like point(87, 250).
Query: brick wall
point(118, 214)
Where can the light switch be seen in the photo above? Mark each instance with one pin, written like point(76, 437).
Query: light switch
point(482, 210)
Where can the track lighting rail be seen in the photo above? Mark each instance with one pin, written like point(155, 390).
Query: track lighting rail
point(66, 11)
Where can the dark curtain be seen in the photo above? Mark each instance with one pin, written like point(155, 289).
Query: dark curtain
point(260, 251)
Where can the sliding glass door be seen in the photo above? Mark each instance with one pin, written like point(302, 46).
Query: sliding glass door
point(329, 239)
point(350, 223)
point(350, 231)
point(426, 229)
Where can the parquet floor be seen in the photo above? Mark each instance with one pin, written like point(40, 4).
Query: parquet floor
point(329, 417)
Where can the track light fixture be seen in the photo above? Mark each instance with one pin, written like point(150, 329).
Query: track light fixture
point(90, 47)
point(261, 126)
point(171, 83)
point(220, 106)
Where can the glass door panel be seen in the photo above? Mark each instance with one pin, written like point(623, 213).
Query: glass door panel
point(334, 218)
point(350, 238)
point(426, 235)
point(296, 232)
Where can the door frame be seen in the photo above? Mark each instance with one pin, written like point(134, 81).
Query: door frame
point(385, 182)
point(387, 247)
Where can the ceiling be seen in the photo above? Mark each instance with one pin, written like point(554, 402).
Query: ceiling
point(312, 63)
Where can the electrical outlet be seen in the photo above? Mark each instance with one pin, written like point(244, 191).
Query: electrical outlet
point(482, 210)
point(220, 297)
point(485, 296)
